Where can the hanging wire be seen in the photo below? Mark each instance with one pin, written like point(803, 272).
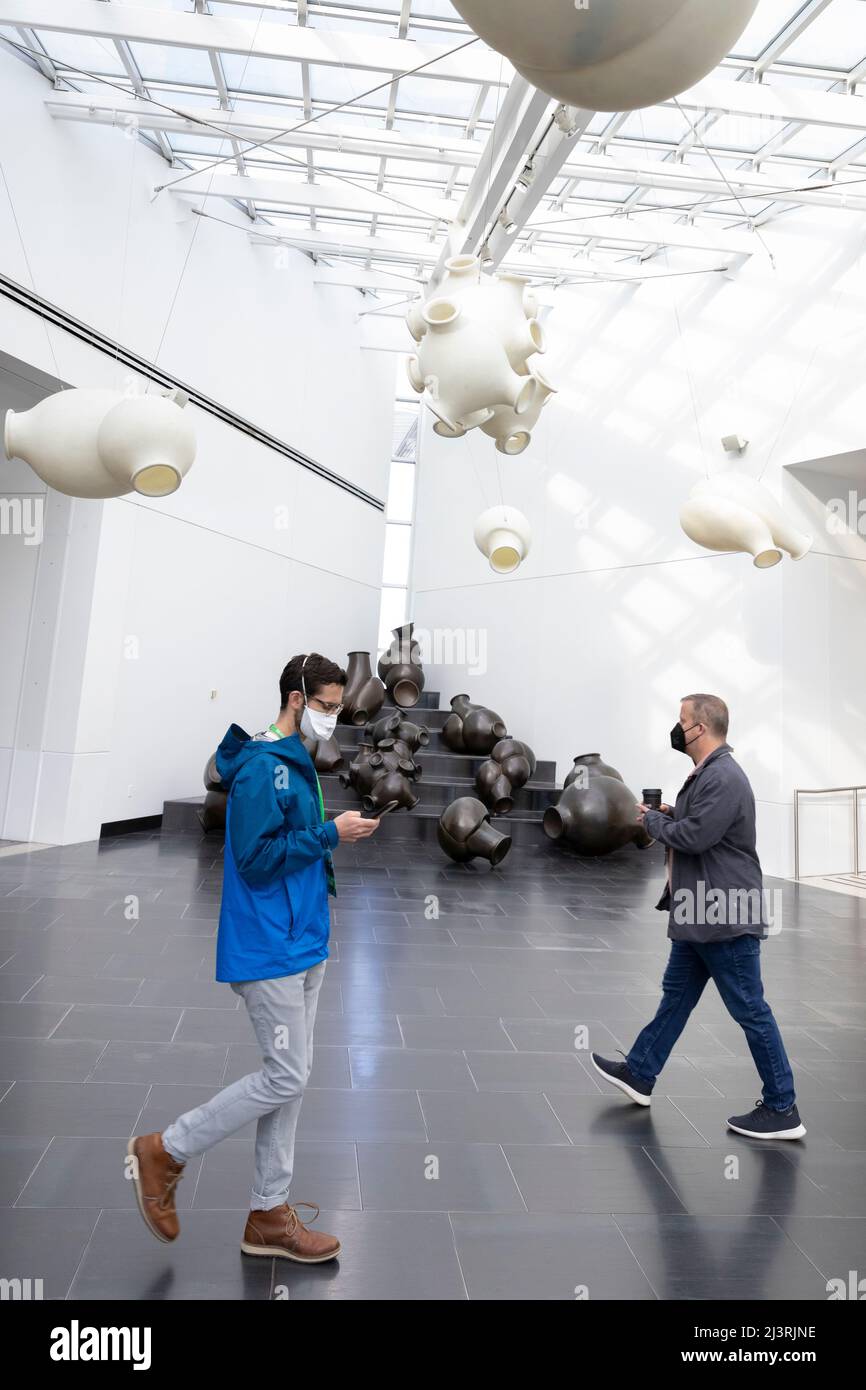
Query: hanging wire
point(685, 357)
point(332, 110)
point(124, 258)
point(186, 115)
point(706, 200)
point(798, 390)
point(197, 226)
point(30, 271)
point(720, 171)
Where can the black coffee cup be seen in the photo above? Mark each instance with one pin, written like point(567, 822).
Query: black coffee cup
point(652, 797)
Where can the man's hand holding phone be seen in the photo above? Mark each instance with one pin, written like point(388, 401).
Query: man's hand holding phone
point(352, 826)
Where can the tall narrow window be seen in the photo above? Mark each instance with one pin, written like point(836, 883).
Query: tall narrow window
point(399, 515)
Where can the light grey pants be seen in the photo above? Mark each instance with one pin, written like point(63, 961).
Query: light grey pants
point(283, 1013)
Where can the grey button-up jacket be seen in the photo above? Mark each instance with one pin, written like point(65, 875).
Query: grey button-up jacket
point(716, 886)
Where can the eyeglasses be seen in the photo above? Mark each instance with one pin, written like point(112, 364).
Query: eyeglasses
point(324, 706)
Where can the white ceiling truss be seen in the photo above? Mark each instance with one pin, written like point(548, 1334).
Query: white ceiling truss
point(381, 137)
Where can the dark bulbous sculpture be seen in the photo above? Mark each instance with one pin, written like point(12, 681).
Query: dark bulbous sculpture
point(464, 832)
point(510, 766)
point(494, 788)
point(380, 776)
point(325, 753)
point(590, 765)
point(364, 694)
point(393, 786)
point(212, 815)
point(380, 729)
point(596, 819)
point(399, 734)
point(400, 668)
point(472, 728)
point(363, 769)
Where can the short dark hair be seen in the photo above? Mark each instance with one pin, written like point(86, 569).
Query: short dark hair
point(712, 711)
point(317, 671)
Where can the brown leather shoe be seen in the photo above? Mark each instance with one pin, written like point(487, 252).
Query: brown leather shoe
point(155, 1175)
point(281, 1232)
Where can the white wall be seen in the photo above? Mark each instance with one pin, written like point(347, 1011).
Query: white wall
point(207, 589)
point(616, 614)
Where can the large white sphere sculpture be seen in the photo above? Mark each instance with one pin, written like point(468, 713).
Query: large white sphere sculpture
point(733, 512)
point(503, 534)
point(100, 443)
point(476, 340)
point(610, 55)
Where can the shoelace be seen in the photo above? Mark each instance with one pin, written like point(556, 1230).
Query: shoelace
point(171, 1183)
point(293, 1220)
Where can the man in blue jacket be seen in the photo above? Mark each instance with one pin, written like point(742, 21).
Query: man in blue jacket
point(717, 919)
point(271, 948)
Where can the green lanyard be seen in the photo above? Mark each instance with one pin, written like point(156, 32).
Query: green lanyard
point(279, 733)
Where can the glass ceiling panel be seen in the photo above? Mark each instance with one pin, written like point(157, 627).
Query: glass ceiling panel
point(821, 142)
point(746, 133)
point(90, 55)
point(449, 98)
point(164, 63)
point(261, 75)
point(440, 110)
point(335, 85)
point(836, 39)
point(769, 19)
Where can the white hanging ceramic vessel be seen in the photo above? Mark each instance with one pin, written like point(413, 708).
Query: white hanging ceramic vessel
point(611, 55)
point(100, 443)
point(716, 523)
point(503, 303)
point(503, 534)
point(513, 433)
point(748, 492)
point(465, 368)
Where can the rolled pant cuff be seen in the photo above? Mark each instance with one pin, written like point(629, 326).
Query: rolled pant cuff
point(258, 1203)
point(173, 1151)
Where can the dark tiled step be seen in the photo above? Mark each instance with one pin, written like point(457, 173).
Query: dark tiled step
point(433, 792)
point(418, 825)
point(437, 760)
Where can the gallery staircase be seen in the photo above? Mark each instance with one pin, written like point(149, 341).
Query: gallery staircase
point(444, 776)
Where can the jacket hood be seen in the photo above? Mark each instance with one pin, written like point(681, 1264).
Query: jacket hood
point(238, 748)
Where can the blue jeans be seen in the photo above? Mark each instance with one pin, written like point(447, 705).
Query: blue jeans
point(735, 966)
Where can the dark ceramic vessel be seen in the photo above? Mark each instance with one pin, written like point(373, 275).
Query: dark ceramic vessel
point(465, 833)
point(593, 766)
point(509, 767)
point(212, 815)
point(472, 728)
point(380, 776)
point(364, 694)
point(325, 753)
point(596, 819)
point(400, 668)
point(396, 732)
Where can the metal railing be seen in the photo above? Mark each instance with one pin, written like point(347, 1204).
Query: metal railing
point(827, 791)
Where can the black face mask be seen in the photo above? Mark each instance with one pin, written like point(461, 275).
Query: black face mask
point(678, 737)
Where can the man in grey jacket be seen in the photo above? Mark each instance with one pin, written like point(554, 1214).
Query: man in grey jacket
point(716, 921)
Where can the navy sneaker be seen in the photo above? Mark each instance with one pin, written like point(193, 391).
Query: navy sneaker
point(619, 1074)
point(762, 1123)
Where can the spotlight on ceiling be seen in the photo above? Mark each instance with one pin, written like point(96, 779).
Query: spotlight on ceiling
point(734, 443)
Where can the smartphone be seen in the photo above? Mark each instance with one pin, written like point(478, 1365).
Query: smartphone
point(378, 814)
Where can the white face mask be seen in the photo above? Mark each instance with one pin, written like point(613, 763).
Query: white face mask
point(316, 725)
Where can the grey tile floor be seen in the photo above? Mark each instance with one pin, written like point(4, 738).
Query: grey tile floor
point(456, 1138)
